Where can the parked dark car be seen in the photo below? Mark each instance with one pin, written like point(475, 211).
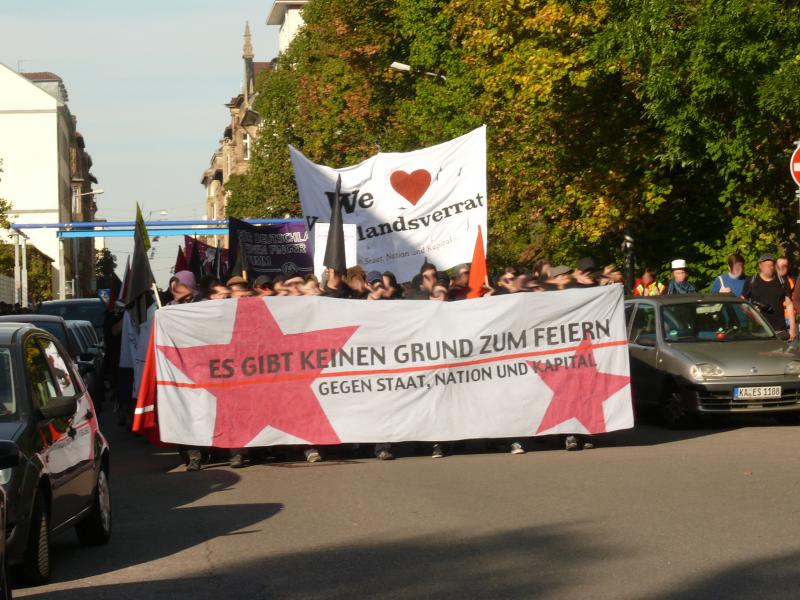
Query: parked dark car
point(9, 458)
point(88, 353)
point(709, 355)
point(62, 479)
point(51, 324)
point(87, 362)
point(77, 309)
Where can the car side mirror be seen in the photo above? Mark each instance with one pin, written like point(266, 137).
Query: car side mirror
point(645, 341)
point(9, 454)
point(59, 408)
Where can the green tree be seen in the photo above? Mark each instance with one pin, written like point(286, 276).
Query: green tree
point(669, 121)
point(104, 262)
point(718, 81)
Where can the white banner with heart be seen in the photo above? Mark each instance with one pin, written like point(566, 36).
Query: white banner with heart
point(408, 207)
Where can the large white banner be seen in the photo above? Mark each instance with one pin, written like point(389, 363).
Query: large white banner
point(407, 206)
point(297, 370)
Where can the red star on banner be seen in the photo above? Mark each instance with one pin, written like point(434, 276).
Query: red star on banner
point(579, 391)
point(284, 399)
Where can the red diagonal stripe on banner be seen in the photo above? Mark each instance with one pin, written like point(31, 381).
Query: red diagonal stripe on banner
point(468, 363)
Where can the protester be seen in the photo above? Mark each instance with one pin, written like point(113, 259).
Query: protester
point(278, 286)
point(506, 279)
point(541, 270)
point(294, 284)
point(586, 274)
point(611, 275)
point(459, 283)
point(782, 269)
point(356, 279)
point(559, 278)
point(429, 275)
point(262, 286)
point(334, 285)
point(183, 287)
point(375, 287)
point(647, 285)
point(239, 287)
point(310, 286)
point(770, 294)
point(393, 289)
point(680, 279)
point(439, 289)
point(733, 281)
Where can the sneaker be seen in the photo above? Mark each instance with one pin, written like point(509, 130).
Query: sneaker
point(193, 464)
point(588, 445)
point(571, 443)
point(384, 455)
point(313, 455)
point(237, 461)
point(437, 451)
point(516, 448)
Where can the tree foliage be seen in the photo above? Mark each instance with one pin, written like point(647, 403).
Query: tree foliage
point(672, 122)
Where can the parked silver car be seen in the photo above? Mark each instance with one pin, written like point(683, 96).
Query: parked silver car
point(709, 354)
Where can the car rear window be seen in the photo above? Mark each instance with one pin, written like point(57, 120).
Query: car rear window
point(94, 312)
point(54, 329)
point(8, 397)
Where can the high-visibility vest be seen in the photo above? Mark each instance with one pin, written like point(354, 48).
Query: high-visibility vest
point(654, 289)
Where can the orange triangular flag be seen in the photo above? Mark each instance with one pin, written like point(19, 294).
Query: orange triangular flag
point(477, 271)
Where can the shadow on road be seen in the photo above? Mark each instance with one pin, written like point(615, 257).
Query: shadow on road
point(153, 512)
point(525, 563)
point(774, 577)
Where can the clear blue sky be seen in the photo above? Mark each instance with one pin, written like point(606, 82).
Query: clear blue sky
point(147, 81)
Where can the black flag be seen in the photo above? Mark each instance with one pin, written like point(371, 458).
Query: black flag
point(139, 283)
point(216, 266)
point(241, 266)
point(196, 263)
point(334, 250)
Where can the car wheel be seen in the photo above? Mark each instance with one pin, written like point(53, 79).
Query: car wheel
point(788, 418)
point(673, 411)
point(36, 562)
point(95, 529)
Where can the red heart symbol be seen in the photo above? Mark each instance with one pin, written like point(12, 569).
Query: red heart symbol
point(411, 186)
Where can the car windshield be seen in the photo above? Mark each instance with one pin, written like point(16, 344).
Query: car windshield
point(8, 399)
point(713, 322)
point(94, 312)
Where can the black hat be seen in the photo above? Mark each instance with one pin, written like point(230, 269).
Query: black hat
point(262, 281)
point(374, 276)
point(765, 257)
point(587, 265)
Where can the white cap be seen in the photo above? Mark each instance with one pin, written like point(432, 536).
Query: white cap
point(678, 264)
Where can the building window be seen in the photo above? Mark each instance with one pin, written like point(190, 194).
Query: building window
point(246, 144)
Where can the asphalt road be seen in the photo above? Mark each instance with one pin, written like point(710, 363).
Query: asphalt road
point(707, 513)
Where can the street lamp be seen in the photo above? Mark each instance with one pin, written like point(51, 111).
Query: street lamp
point(161, 213)
point(398, 66)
